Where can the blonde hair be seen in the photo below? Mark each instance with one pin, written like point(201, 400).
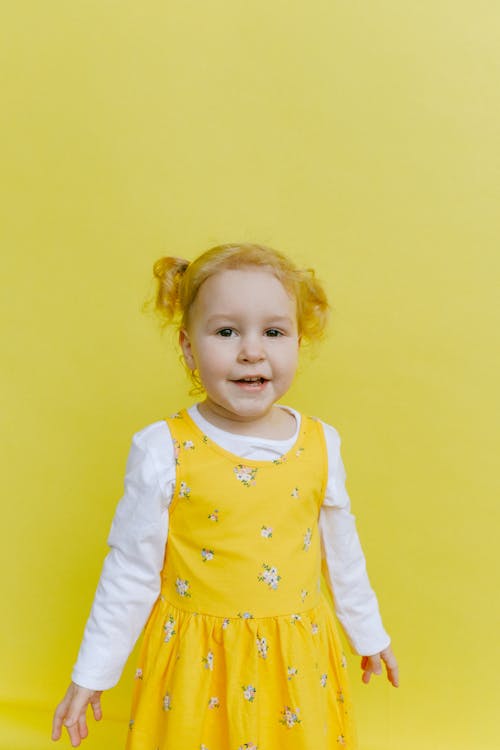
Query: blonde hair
point(178, 283)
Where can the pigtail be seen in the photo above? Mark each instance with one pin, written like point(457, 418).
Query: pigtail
point(169, 273)
point(313, 307)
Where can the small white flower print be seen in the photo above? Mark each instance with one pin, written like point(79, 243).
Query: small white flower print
point(203, 747)
point(188, 445)
point(167, 703)
point(214, 702)
point(248, 746)
point(262, 647)
point(279, 461)
point(299, 452)
point(131, 724)
point(343, 661)
point(314, 628)
point(266, 532)
point(323, 679)
point(184, 490)
point(249, 692)
point(290, 717)
point(182, 587)
point(295, 618)
point(340, 696)
point(303, 594)
point(138, 674)
point(177, 450)
point(245, 474)
point(169, 628)
point(214, 516)
point(341, 739)
point(207, 554)
point(225, 623)
point(307, 539)
point(245, 615)
point(269, 576)
point(292, 671)
point(295, 492)
point(208, 660)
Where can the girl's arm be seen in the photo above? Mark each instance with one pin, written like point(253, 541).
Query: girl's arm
point(130, 579)
point(344, 567)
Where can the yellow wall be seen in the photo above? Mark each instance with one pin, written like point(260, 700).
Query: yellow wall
point(362, 138)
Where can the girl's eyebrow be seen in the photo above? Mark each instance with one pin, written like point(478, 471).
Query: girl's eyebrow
point(270, 320)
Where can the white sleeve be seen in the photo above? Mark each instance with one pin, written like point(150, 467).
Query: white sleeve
point(344, 564)
point(130, 580)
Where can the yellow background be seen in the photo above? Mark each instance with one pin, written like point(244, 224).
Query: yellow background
point(362, 139)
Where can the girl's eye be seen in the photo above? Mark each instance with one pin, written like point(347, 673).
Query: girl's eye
point(226, 332)
point(273, 332)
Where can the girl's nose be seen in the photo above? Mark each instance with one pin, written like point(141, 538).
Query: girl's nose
point(251, 350)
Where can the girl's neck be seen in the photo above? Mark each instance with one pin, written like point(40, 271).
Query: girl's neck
point(277, 424)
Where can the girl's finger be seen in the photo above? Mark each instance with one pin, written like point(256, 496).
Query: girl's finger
point(73, 729)
point(82, 726)
point(393, 675)
point(95, 702)
point(57, 724)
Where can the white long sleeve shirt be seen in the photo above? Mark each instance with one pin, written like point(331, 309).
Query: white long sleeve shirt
point(130, 580)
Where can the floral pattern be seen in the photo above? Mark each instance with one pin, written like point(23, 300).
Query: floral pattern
point(307, 539)
point(207, 554)
point(249, 692)
point(295, 618)
point(225, 623)
point(295, 492)
point(279, 461)
point(169, 628)
point(266, 532)
point(214, 702)
point(182, 587)
point(245, 615)
point(290, 717)
point(167, 702)
point(248, 746)
point(262, 647)
point(188, 445)
point(177, 450)
point(303, 594)
point(208, 660)
point(323, 679)
point(138, 674)
point(245, 474)
point(214, 516)
point(184, 490)
point(270, 576)
point(292, 671)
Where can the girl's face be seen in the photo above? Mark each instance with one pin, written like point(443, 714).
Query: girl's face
point(242, 338)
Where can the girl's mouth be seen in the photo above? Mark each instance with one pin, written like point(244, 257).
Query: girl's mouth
point(251, 384)
point(252, 380)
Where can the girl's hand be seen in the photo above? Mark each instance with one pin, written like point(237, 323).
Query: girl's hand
point(372, 665)
point(71, 712)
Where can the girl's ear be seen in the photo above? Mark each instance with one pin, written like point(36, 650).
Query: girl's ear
point(187, 351)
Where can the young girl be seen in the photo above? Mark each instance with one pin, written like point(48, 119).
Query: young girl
point(240, 651)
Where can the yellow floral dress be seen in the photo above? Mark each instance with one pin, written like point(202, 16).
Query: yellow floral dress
point(241, 650)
